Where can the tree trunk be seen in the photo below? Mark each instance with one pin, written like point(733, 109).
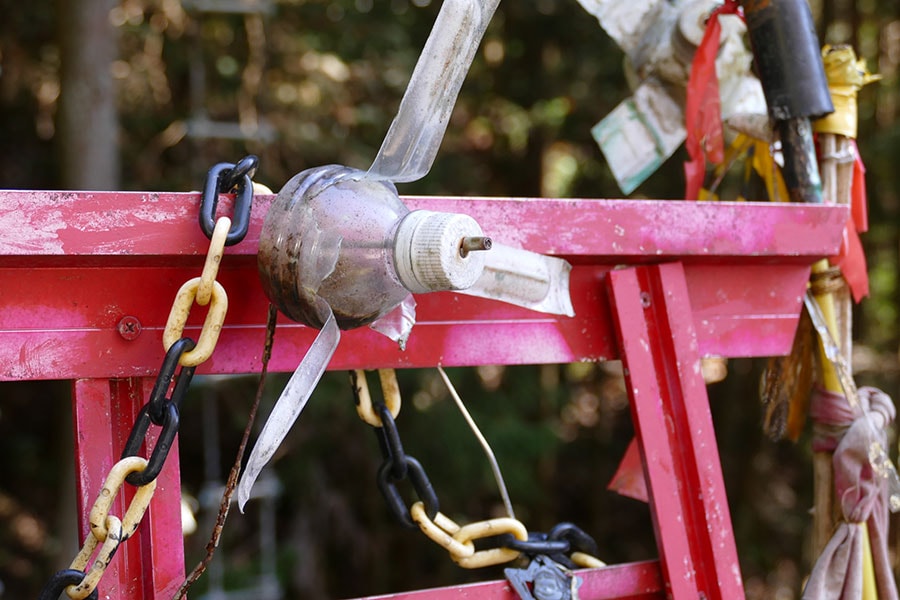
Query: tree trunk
point(87, 123)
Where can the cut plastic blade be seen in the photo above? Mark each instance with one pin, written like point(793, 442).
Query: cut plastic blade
point(290, 404)
point(526, 279)
point(415, 135)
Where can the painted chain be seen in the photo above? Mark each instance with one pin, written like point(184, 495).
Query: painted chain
point(203, 290)
point(108, 531)
point(425, 513)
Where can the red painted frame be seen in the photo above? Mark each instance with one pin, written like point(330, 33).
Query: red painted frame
point(73, 264)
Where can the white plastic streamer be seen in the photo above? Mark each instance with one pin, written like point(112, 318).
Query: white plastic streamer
point(290, 404)
point(415, 135)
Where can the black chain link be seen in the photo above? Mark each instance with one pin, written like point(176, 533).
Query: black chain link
point(557, 544)
point(225, 178)
point(398, 466)
point(162, 412)
point(60, 580)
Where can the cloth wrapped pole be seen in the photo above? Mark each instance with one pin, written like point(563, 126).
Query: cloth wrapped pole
point(861, 492)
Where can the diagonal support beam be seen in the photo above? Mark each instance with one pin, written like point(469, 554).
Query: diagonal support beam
point(670, 409)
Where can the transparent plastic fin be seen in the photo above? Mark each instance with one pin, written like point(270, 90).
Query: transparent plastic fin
point(525, 279)
point(415, 135)
point(291, 402)
point(398, 324)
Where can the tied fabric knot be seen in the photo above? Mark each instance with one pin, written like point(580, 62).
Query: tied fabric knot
point(861, 491)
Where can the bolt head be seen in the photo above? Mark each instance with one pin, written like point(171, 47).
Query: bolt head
point(129, 328)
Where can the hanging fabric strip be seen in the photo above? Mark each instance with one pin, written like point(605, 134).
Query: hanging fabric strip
point(703, 113)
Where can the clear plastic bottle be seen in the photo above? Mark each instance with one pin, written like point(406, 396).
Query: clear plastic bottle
point(336, 235)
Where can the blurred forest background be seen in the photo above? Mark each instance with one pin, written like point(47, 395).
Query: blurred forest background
point(303, 83)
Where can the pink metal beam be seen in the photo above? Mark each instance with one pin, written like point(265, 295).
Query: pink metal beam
point(40, 225)
point(674, 429)
point(72, 265)
point(150, 565)
point(632, 581)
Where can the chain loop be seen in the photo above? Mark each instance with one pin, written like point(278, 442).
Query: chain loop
point(158, 400)
point(160, 411)
point(467, 534)
point(212, 326)
point(583, 560)
point(420, 483)
point(60, 581)
point(114, 537)
point(389, 388)
point(135, 511)
point(440, 530)
point(577, 538)
point(160, 452)
point(459, 541)
point(213, 260)
point(224, 178)
point(390, 444)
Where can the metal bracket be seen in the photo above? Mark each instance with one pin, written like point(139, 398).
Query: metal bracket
point(543, 579)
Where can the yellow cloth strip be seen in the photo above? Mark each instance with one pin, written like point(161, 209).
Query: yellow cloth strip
point(869, 588)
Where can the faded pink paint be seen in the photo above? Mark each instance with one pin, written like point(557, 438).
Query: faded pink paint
point(674, 430)
point(164, 224)
point(72, 264)
point(635, 581)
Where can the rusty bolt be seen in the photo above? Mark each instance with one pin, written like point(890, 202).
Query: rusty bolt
point(129, 327)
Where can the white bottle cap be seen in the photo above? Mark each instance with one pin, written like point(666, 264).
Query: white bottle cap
point(427, 252)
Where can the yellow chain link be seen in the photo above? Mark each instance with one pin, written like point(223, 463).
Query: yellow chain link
point(114, 537)
point(209, 335)
point(482, 529)
point(586, 561)
point(107, 529)
point(203, 290)
point(114, 481)
point(440, 531)
point(458, 540)
point(213, 260)
point(389, 387)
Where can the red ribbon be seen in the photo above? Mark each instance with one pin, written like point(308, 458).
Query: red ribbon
point(703, 112)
